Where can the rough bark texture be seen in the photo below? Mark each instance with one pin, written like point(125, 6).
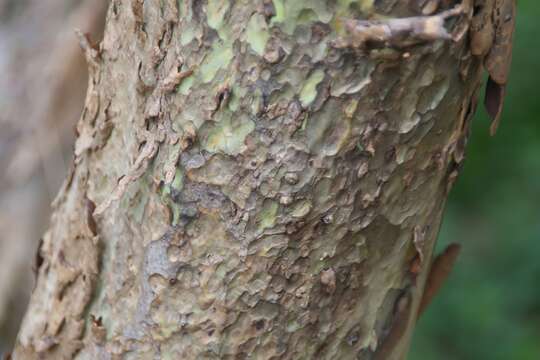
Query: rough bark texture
point(43, 81)
point(242, 188)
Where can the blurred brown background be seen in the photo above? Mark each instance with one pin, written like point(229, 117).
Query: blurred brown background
point(43, 81)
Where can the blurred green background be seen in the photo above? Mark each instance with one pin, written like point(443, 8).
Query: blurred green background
point(489, 308)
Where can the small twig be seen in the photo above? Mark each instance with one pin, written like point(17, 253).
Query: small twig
point(399, 32)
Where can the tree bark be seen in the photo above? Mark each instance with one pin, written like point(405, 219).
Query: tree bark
point(252, 180)
point(42, 90)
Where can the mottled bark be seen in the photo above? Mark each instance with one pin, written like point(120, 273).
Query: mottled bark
point(43, 81)
point(243, 187)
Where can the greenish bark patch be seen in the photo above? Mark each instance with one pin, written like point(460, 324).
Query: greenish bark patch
point(308, 93)
point(257, 33)
point(228, 135)
point(218, 59)
point(267, 217)
point(290, 14)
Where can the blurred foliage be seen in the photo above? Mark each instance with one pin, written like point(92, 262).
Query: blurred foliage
point(490, 306)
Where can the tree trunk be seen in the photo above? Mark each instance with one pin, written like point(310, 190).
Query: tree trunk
point(253, 180)
point(42, 89)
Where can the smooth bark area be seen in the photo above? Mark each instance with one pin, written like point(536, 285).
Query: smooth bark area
point(248, 185)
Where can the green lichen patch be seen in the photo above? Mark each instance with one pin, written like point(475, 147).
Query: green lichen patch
point(215, 14)
point(188, 34)
point(186, 85)
point(290, 14)
point(257, 33)
point(219, 58)
point(308, 93)
point(228, 135)
point(236, 94)
point(178, 181)
point(267, 216)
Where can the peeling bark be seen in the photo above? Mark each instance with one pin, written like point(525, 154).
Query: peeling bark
point(42, 91)
point(259, 192)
